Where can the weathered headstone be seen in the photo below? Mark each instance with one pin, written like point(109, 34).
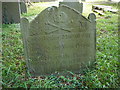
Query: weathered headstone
point(59, 39)
point(102, 8)
point(41, 0)
point(73, 4)
point(83, 0)
point(23, 7)
point(10, 12)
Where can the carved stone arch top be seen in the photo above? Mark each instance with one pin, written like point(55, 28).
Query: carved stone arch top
point(62, 18)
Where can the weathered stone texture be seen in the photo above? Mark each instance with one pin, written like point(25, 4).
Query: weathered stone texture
point(59, 39)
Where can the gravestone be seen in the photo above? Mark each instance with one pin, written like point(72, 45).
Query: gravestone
point(23, 7)
point(10, 12)
point(59, 39)
point(42, 0)
point(83, 0)
point(73, 4)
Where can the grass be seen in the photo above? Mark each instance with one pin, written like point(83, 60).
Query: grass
point(105, 73)
point(33, 11)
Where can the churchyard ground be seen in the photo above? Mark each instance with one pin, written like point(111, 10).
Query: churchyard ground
point(104, 73)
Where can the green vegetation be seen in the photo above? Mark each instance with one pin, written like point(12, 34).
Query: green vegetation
point(33, 11)
point(105, 73)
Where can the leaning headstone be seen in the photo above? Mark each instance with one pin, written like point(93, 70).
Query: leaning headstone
point(59, 39)
point(41, 0)
point(73, 4)
point(10, 12)
point(102, 8)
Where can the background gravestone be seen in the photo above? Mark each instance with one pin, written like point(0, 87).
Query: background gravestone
point(74, 4)
point(59, 39)
point(83, 0)
point(41, 0)
point(10, 12)
point(23, 7)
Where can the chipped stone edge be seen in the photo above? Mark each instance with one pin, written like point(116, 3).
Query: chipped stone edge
point(62, 6)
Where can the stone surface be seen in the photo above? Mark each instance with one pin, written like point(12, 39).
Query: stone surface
point(76, 5)
point(59, 39)
point(70, 0)
point(23, 7)
point(102, 8)
point(10, 12)
point(99, 12)
point(42, 0)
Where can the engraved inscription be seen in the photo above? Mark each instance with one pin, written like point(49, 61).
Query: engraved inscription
point(82, 40)
point(58, 28)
